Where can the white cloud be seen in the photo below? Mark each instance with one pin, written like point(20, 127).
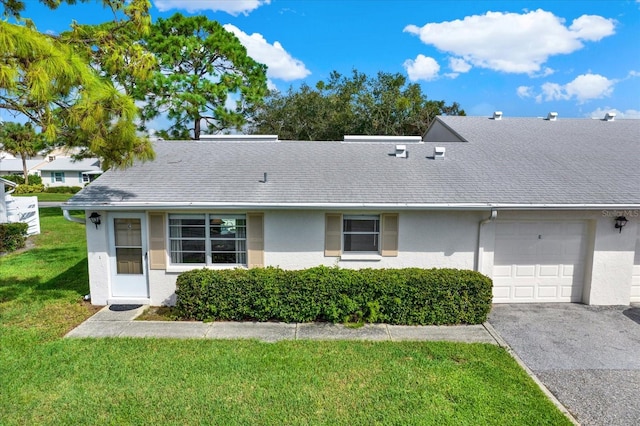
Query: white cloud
point(589, 86)
point(232, 7)
point(583, 88)
point(422, 68)
point(459, 65)
point(592, 27)
point(511, 42)
point(525, 91)
point(280, 63)
point(629, 113)
point(553, 91)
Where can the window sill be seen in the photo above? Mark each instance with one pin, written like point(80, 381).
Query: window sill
point(361, 256)
point(190, 267)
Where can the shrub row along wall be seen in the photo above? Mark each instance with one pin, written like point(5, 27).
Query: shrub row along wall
point(35, 189)
point(409, 296)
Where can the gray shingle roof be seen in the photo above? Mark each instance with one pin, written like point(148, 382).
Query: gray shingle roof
point(71, 165)
point(15, 165)
point(511, 161)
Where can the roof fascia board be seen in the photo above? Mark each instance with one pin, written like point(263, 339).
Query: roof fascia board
point(336, 206)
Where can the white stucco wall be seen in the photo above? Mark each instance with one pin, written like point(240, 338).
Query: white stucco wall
point(295, 240)
point(98, 259)
point(612, 263)
point(71, 178)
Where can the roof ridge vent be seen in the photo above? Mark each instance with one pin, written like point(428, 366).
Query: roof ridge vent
point(497, 115)
point(239, 138)
point(610, 116)
point(552, 116)
point(380, 138)
point(401, 151)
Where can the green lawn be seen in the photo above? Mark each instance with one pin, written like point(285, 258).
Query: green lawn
point(46, 196)
point(48, 380)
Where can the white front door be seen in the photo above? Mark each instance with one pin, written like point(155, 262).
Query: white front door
point(128, 255)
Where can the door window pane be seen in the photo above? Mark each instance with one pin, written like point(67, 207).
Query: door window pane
point(128, 243)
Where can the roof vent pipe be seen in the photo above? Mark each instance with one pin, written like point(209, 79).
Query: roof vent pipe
point(552, 116)
point(497, 115)
point(610, 116)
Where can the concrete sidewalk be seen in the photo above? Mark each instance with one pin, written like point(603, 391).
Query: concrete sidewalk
point(119, 321)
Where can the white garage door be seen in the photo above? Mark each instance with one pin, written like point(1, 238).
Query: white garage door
point(635, 279)
point(539, 261)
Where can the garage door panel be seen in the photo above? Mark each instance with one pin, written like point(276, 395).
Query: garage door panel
point(539, 261)
point(550, 270)
point(524, 271)
point(501, 271)
point(524, 293)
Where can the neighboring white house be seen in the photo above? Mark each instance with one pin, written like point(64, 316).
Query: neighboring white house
point(548, 208)
point(66, 171)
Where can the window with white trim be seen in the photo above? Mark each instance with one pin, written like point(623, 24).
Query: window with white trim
point(208, 239)
point(361, 233)
point(57, 177)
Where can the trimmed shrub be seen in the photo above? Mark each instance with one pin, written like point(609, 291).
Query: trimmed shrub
point(410, 296)
point(63, 189)
point(29, 189)
point(12, 236)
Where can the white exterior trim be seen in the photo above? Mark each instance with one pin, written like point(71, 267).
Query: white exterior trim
point(342, 206)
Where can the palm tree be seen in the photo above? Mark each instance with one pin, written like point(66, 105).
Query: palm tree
point(21, 140)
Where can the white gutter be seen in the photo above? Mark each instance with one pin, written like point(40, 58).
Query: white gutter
point(480, 250)
point(70, 218)
point(337, 206)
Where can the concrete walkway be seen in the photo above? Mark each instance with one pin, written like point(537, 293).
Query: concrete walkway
point(119, 321)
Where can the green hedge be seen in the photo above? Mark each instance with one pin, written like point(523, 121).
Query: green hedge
point(395, 296)
point(12, 236)
point(29, 189)
point(63, 189)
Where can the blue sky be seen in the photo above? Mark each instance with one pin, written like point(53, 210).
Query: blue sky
point(525, 58)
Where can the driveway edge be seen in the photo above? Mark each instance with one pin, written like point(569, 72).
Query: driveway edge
point(502, 343)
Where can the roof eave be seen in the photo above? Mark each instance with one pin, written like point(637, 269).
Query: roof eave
point(343, 206)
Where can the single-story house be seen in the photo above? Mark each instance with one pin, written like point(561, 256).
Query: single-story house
point(549, 208)
point(66, 171)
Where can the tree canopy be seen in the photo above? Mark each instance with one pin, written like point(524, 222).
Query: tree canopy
point(55, 82)
point(21, 140)
point(355, 105)
point(205, 76)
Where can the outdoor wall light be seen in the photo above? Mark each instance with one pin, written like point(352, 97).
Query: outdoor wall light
point(95, 219)
point(621, 221)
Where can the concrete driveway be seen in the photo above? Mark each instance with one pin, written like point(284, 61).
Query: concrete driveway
point(587, 356)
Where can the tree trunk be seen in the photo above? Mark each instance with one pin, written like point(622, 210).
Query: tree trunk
point(196, 129)
point(24, 169)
